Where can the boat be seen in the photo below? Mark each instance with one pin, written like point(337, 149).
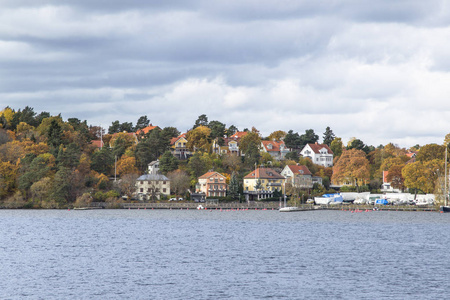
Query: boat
point(329, 199)
point(200, 206)
point(445, 208)
point(289, 208)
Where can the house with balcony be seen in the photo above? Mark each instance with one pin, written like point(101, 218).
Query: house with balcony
point(298, 175)
point(262, 183)
point(178, 147)
point(212, 184)
point(320, 154)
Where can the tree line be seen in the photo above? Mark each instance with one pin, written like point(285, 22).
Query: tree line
point(46, 161)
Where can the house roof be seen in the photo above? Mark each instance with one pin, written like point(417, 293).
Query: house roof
point(97, 143)
point(265, 173)
point(209, 174)
point(411, 154)
point(275, 145)
point(175, 139)
point(239, 134)
point(317, 147)
point(146, 129)
point(153, 177)
point(296, 169)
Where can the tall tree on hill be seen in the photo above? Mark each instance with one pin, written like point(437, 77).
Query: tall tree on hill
point(114, 128)
point(199, 138)
point(250, 145)
point(292, 140)
point(142, 122)
point(277, 135)
point(430, 152)
point(328, 136)
point(218, 130)
point(202, 120)
point(309, 137)
point(231, 130)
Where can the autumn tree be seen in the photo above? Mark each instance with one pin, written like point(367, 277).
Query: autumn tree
point(352, 166)
point(8, 176)
point(232, 162)
point(199, 139)
point(179, 182)
point(126, 165)
point(277, 135)
point(336, 146)
point(395, 177)
point(430, 152)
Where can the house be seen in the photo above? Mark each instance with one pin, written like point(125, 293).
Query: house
point(262, 183)
point(230, 146)
point(97, 144)
point(298, 176)
point(146, 130)
point(212, 184)
point(320, 154)
point(277, 149)
point(153, 167)
point(152, 186)
point(238, 135)
point(179, 147)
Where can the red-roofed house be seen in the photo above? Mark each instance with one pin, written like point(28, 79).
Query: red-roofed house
point(97, 143)
point(386, 186)
point(212, 184)
point(277, 149)
point(146, 130)
point(262, 183)
point(298, 176)
point(320, 154)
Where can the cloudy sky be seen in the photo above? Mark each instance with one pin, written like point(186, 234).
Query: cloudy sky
point(375, 70)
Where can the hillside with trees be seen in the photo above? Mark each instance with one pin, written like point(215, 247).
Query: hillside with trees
point(49, 162)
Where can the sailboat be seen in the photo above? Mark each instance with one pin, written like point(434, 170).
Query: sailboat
point(288, 208)
point(445, 207)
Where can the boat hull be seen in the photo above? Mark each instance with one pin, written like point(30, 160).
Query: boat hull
point(445, 209)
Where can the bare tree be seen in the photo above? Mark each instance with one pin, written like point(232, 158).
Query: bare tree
point(179, 181)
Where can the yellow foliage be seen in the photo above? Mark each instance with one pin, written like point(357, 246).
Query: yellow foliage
point(126, 165)
point(7, 114)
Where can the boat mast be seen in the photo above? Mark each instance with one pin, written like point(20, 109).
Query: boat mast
point(446, 180)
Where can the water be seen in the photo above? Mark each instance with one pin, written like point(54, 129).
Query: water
point(172, 254)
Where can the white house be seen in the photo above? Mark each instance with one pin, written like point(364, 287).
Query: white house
point(320, 154)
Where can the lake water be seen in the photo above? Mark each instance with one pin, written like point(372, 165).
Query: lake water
point(173, 254)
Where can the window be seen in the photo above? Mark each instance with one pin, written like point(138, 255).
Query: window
point(149, 190)
point(141, 190)
point(164, 190)
point(164, 182)
point(142, 182)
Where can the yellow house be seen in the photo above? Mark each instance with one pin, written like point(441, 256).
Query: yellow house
point(179, 147)
point(262, 183)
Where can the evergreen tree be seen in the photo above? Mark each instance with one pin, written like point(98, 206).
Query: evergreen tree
point(168, 163)
point(328, 136)
point(114, 128)
point(142, 122)
point(233, 187)
point(202, 120)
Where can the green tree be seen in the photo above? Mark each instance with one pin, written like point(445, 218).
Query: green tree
point(142, 122)
point(336, 146)
point(103, 161)
point(231, 130)
point(114, 128)
point(168, 162)
point(292, 140)
point(328, 136)
point(309, 137)
point(198, 165)
point(233, 187)
point(202, 120)
point(218, 130)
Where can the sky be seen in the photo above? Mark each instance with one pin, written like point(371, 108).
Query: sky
point(375, 70)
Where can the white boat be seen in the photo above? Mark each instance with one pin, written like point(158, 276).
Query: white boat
point(289, 208)
point(329, 199)
point(200, 207)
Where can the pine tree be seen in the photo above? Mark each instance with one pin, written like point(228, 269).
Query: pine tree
point(328, 136)
point(233, 188)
